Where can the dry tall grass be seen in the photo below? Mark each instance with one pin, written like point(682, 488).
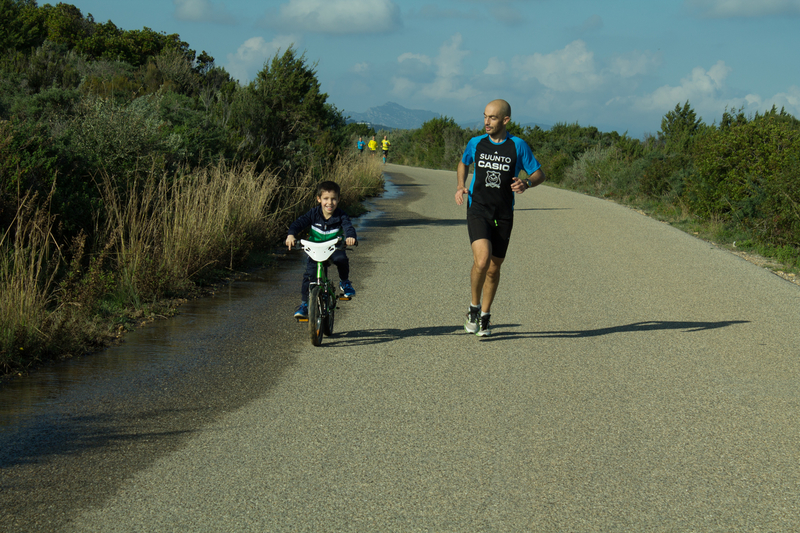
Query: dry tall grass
point(158, 235)
point(164, 231)
point(28, 255)
point(359, 176)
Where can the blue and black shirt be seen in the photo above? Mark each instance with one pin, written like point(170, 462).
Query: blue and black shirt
point(490, 192)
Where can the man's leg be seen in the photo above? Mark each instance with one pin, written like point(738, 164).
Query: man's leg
point(492, 280)
point(481, 255)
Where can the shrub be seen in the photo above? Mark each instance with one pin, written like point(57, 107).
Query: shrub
point(749, 172)
point(117, 138)
point(664, 174)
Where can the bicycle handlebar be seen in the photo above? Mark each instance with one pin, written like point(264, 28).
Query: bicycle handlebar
point(340, 245)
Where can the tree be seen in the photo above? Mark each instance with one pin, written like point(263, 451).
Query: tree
point(284, 118)
point(22, 25)
point(679, 127)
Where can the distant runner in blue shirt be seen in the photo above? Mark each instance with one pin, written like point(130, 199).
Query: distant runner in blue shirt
point(360, 146)
point(498, 157)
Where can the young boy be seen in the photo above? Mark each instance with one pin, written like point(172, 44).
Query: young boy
point(327, 222)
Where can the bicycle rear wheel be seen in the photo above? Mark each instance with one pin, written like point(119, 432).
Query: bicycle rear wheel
point(316, 305)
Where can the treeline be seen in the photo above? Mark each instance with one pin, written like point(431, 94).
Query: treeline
point(738, 178)
point(133, 169)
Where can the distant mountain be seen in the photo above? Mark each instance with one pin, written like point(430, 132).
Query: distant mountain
point(479, 125)
point(392, 115)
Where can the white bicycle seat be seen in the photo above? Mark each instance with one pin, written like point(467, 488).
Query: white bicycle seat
point(319, 251)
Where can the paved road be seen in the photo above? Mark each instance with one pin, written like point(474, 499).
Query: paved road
point(638, 379)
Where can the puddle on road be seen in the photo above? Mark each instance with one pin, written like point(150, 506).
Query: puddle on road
point(154, 348)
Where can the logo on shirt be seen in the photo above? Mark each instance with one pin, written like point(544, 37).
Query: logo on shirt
point(494, 162)
point(493, 179)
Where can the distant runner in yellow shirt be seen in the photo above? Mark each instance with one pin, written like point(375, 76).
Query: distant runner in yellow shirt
point(385, 146)
point(373, 145)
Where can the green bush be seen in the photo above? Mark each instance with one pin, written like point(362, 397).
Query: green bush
point(663, 174)
point(749, 173)
point(439, 143)
point(117, 138)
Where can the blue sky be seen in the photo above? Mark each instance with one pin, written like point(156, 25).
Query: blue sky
point(617, 65)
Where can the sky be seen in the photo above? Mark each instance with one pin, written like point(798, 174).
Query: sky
point(616, 65)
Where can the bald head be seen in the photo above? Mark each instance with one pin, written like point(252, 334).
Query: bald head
point(501, 108)
point(495, 117)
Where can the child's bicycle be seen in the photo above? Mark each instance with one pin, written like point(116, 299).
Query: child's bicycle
point(322, 297)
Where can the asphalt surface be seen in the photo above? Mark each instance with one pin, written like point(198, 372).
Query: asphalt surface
point(638, 379)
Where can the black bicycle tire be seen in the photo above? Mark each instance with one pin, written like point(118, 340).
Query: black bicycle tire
point(315, 306)
point(327, 323)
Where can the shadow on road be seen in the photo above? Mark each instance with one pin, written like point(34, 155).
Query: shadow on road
point(388, 222)
point(543, 209)
point(379, 336)
point(79, 435)
point(655, 325)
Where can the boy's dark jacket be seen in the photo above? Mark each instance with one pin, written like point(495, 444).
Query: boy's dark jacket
point(323, 230)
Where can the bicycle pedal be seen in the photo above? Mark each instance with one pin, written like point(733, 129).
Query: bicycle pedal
point(344, 298)
point(302, 320)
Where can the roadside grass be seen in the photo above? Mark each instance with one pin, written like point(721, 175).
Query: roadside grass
point(163, 239)
point(27, 254)
point(359, 177)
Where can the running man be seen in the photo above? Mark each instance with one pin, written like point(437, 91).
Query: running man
point(498, 157)
point(385, 147)
point(360, 146)
point(373, 145)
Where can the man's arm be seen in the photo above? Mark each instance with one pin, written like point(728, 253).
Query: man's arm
point(461, 184)
point(537, 178)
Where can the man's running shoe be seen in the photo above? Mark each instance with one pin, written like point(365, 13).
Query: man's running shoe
point(474, 315)
point(484, 331)
point(302, 311)
point(347, 288)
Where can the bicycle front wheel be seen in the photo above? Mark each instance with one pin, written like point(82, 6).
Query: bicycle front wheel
point(316, 306)
point(327, 323)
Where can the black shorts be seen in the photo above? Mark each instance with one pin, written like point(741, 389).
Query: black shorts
point(497, 232)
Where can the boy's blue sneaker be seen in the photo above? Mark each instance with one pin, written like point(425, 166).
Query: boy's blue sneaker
point(302, 311)
point(347, 288)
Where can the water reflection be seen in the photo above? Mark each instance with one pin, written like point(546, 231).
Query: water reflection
point(153, 350)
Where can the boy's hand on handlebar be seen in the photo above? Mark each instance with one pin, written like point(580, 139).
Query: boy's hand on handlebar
point(290, 240)
point(350, 241)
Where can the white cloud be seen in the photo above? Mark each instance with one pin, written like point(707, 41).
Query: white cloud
point(633, 64)
point(593, 23)
point(434, 12)
point(495, 67)
point(570, 69)
point(360, 68)
point(253, 53)
point(339, 17)
point(790, 101)
point(745, 8)
point(444, 76)
point(425, 60)
point(702, 89)
point(201, 11)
